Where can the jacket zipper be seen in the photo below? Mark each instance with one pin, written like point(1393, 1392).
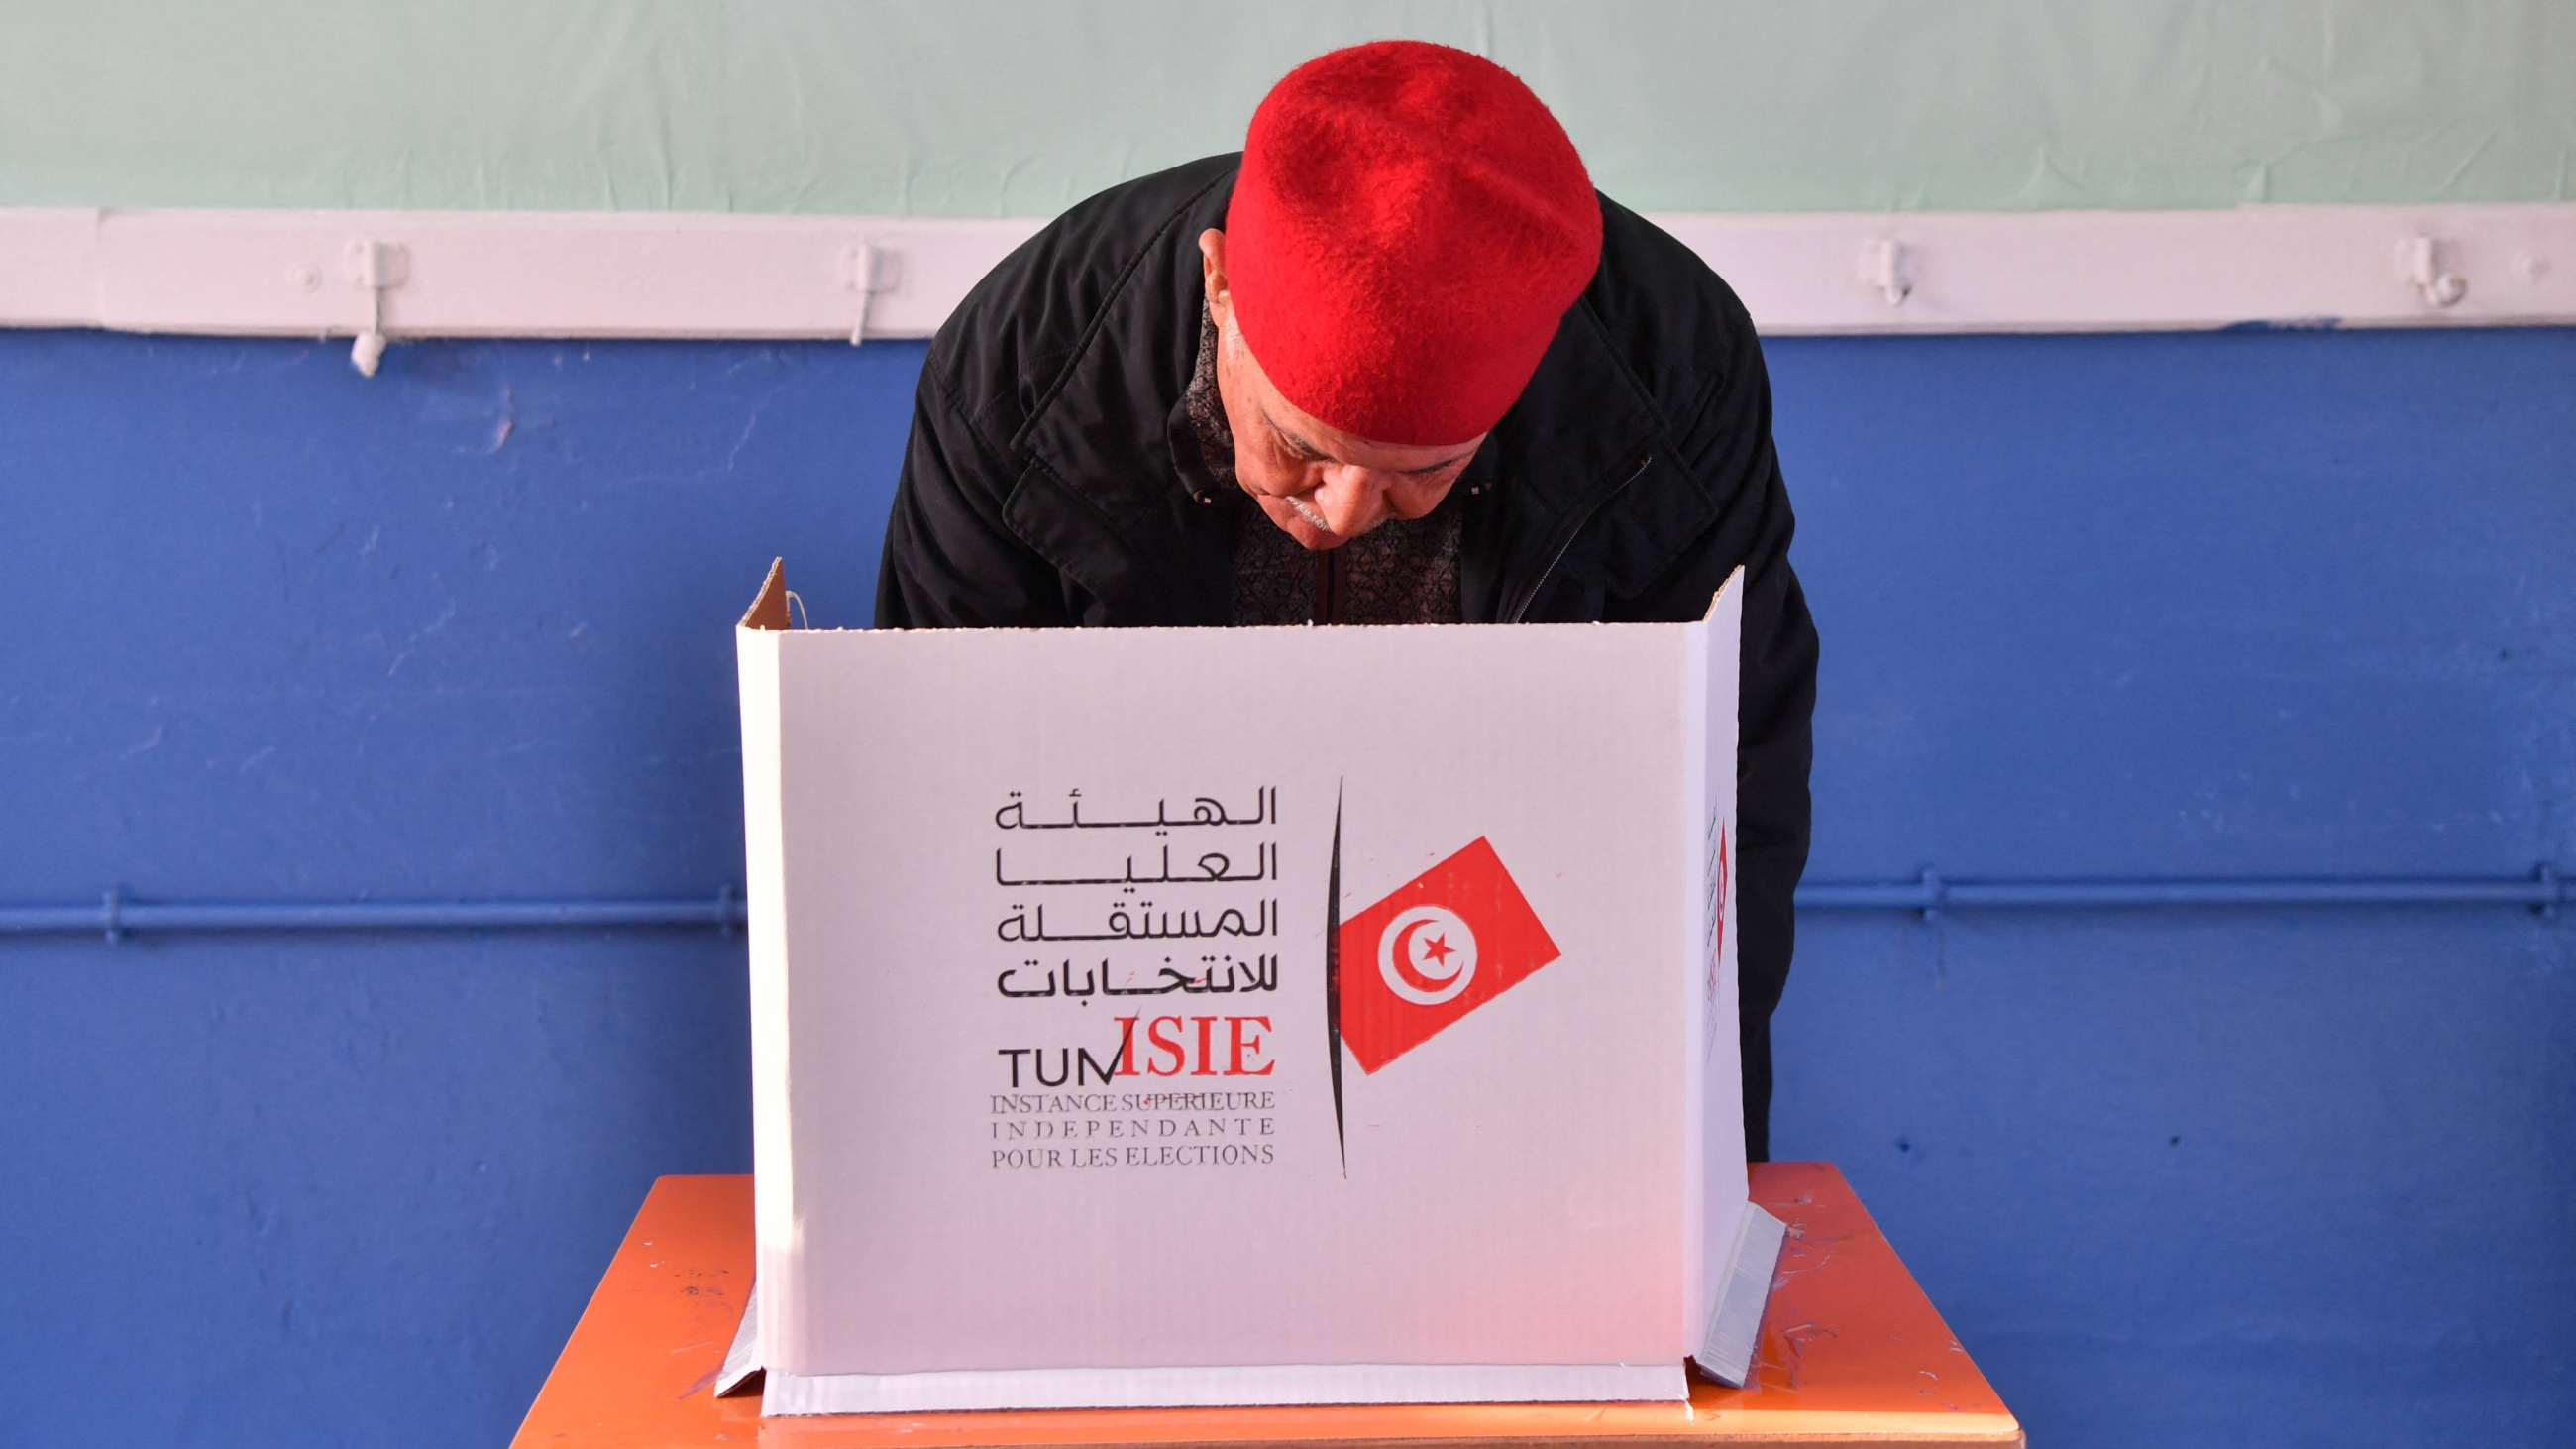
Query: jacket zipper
point(1529, 596)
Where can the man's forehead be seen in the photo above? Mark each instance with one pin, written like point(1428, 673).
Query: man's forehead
point(1303, 444)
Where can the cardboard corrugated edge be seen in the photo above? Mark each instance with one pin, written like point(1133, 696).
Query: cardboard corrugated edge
point(769, 607)
point(1735, 1325)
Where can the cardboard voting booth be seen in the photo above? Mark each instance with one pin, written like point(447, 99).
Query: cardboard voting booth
point(1244, 1016)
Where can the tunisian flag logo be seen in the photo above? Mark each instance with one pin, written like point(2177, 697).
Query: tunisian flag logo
point(1442, 944)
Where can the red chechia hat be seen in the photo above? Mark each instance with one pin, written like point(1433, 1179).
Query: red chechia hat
point(1409, 226)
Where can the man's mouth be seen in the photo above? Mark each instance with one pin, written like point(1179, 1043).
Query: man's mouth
point(1307, 512)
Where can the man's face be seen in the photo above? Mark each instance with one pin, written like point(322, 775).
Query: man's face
point(1322, 485)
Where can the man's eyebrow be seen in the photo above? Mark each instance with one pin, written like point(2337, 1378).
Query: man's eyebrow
point(1441, 466)
point(1303, 447)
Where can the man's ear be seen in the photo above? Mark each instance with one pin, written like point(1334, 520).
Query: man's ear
point(1212, 272)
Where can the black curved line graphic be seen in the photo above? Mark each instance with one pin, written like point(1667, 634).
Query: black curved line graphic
point(1333, 976)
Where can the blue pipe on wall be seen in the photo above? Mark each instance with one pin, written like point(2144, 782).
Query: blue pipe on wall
point(2543, 891)
point(115, 916)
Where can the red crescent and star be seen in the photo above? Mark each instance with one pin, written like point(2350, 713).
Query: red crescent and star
point(1437, 948)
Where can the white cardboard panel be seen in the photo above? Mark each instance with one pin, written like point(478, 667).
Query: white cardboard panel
point(1536, 1184)
point(1359, 1383)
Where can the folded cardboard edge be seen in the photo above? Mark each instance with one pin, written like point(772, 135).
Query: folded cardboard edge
point(769, 607)
point(1735, 1324)
point(1222, 1387)
point(1157, 1388)
point(1733, 578)
point(742, 1366)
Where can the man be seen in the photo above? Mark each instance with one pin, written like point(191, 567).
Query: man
point(1397, 362)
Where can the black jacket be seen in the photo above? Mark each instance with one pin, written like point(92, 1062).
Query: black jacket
point(1053, 479)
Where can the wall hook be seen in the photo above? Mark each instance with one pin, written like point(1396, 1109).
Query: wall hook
point(379, 267)
point(868, 270)
point(2419, 261)
point(1882, 268)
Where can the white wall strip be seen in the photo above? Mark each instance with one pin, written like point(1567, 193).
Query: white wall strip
point(528, 274)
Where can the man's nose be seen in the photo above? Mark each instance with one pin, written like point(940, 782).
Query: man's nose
point(1351, 499)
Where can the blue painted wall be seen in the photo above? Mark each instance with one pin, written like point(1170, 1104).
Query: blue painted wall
point(2272, 603)
point(2284, 603)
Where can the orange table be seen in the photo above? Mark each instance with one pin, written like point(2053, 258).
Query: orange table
point(1851, 1353)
